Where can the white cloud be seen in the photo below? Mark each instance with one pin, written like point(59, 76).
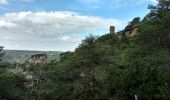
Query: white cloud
point(49, 30)
point(3, 2)
point(6, 24)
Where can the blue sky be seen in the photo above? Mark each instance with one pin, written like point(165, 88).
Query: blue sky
point(60, 25)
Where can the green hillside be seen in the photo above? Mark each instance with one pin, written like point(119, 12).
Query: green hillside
point(133, 64)
point(21, 56)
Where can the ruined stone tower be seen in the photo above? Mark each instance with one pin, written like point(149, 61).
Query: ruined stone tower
point(112, 29)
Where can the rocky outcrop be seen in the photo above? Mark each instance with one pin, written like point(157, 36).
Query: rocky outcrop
point(39, 59)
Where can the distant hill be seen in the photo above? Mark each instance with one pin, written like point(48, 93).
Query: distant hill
point(21, 56)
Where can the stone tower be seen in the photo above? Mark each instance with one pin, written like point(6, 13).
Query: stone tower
point(112, 29)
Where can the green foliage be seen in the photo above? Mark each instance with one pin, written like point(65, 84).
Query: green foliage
point(1, 52)
point(106, 67)
point(11, 85)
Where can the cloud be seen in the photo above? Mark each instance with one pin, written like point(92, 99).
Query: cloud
point(6, 24)
point(3, 2)
point(49, 30)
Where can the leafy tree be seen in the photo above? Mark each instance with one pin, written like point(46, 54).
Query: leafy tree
point(11, 85)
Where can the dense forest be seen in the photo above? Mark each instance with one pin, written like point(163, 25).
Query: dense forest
point(110, 67)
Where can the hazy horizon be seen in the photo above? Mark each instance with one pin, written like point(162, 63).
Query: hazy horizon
point(31, 50)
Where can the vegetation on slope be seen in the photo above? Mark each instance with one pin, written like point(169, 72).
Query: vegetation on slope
point(21, 56)
point(110, 68)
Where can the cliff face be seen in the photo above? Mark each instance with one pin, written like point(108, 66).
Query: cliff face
point(39, 58)
point(131, 32)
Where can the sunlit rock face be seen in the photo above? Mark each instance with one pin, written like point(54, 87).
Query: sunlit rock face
point(131, 32)
point(39, 59)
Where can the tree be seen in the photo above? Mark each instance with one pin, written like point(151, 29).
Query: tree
point(11, 85)
point(88, 59)
point(1, 52)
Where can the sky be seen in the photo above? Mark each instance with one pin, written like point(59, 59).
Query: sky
point(60, 25)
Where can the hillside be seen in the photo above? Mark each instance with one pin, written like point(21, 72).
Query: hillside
point(132, 64)
point(21, 56)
